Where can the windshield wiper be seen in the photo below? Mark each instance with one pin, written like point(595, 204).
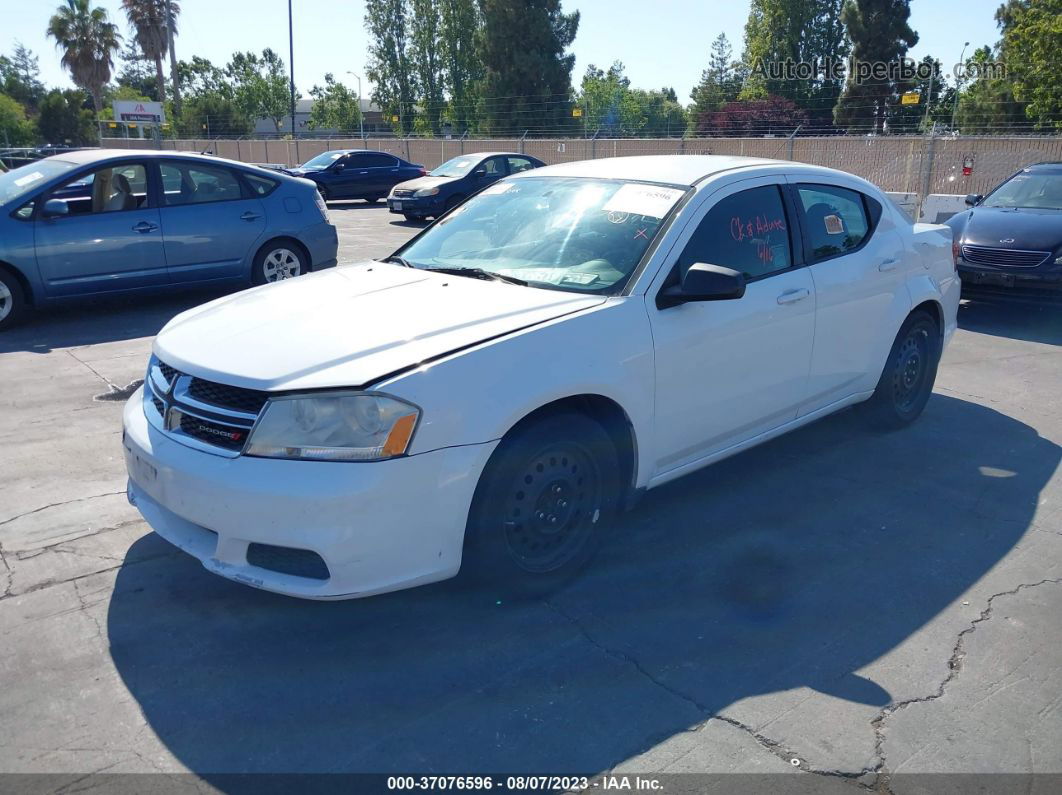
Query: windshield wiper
point(397, 260)
point(479, 273)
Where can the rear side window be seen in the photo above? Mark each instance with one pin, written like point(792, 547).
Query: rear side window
point(260, 186)
point(835, 218)
point(371, 160)
point(747, 231)
point(185, 183)
point(518, 164)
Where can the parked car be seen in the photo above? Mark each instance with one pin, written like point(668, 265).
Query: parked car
point(357, 173)
point(107, 221)
point(1011, 239)
point(494, 393)
point(445, 187)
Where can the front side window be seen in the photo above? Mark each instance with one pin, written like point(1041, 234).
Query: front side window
point(494, 167)
point(746, 231)
point(186, 183)
point(835, 219)
point(106, 190)
point(573, 234)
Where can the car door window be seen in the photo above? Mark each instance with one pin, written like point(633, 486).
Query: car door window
point(746, 231)
point(186, 183)
point(106, 190)
point(260, 186)
point(494, 167)
point(518, 164)
point(835, 219)
point(371, 160)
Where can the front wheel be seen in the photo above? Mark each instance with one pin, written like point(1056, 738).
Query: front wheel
point(13, 306)
point(414, 218)
point(910, 371)
point(277, 262)
point(546, 498)
point(324, 193)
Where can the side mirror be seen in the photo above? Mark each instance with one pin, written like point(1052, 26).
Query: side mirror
point(53, 208)
point(704, 282)
point(339, 167)
point(479, 173)
point(973, 198)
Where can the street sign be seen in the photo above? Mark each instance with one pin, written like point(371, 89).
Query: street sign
point(577, 112)
point(134, 110)
point(910, 98)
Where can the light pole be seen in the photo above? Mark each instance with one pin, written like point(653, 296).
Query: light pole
point(361, 115)
point(958, 85)
point(291, 58)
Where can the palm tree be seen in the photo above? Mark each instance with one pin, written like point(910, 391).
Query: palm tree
point(149, 20)
point(171, 30)
point(88, 40)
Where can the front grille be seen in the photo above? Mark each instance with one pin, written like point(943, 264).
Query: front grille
point(1004, 257)
point(167, 372)
point(229, 397)
point(401, 194)
point(159, 406)
point(288, 560)
point(223, 435)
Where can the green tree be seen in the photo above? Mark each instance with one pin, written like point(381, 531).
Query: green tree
point(335, 107)
point(88, 40)
point(20, 77)
point(15, 128)
point(260, 85)
point(213, 114)
point(462, 65)
point(527, 82)
point(199, 76)
point(425, 31)
point(1031, 48)
point(988, 104)
point(390, 68)
point(880, 33)
point(64, 120)
point(149, 21)
point(717, 85)
point(933, 89)
point(609, 105)
point(137, 72)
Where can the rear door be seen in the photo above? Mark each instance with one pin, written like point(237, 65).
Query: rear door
point(111, 238)
point(383, 172)
point(211, 222)
point(858, 267)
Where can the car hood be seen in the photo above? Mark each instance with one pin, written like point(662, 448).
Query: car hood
point(349, 326)
point(425, 182)
point(1029, 229)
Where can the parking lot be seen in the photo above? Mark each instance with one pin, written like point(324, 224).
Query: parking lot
point(834, 603)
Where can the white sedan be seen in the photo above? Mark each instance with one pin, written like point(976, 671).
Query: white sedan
point(489, 397)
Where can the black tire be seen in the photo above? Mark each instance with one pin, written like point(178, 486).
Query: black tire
point(372, 200)
point(13, 305)
point(265, 265)
point(414, 218)
point(907, 380)
point(324, 193)
point(543, 505)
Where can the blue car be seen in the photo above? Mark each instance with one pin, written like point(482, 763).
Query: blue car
point(454, 181)
point(113, 221)
point(356, 173)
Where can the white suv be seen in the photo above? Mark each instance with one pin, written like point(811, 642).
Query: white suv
point(490, 396)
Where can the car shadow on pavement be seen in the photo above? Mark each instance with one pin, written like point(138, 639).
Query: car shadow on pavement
point(1038, 320)
point(101, 320)
point(796, 564)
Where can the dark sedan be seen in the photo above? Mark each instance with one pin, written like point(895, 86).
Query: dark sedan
point(1011, 239)
point(356, 173)
point(454, 181)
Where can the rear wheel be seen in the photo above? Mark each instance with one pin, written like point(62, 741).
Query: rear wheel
point(372, 199)
point(324, 192)
point(13, 307)
point(544, 502)
point(279, 261)
point(907, 380)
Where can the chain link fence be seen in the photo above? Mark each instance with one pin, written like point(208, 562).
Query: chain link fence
point(914, 164)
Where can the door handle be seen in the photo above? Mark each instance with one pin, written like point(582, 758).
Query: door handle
point(888, 264)
point(249, 216)
point(792, 296)
point(361, 173)
point(144, 227)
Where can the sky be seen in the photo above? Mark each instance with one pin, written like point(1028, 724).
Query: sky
point(662, 44)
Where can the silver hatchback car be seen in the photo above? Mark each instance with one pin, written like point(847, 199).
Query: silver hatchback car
point(113, 221)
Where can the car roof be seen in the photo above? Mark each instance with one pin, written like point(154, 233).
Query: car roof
point(1045, 168)
point(83, 157)
point(494, 154)
point(670, 169)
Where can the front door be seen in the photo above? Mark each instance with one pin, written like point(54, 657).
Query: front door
point(727, 371)
point(211, 223)
point(109, 240)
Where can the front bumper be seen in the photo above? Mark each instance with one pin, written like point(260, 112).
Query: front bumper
point(378, 526)
point(982, 278)
point(407, 205)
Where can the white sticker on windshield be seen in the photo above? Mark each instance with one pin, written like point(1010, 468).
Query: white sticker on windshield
point(31, 177)
point(650, 200)
point(497, 187)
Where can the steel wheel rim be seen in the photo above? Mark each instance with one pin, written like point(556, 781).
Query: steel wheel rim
point(7, 301)
point(551, 508)
point(281, 264)
point(911, 369)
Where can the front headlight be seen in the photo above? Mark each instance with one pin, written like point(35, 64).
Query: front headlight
point(420, 194)
point(340, 427)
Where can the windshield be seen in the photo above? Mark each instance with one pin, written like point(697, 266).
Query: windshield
point(455, 167)
point(322, 161)
point(573, 234)
point(20, 181)
point(1034, 191)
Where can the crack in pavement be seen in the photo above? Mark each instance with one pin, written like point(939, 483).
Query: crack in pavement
point(93, 370)
point(60, 504)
